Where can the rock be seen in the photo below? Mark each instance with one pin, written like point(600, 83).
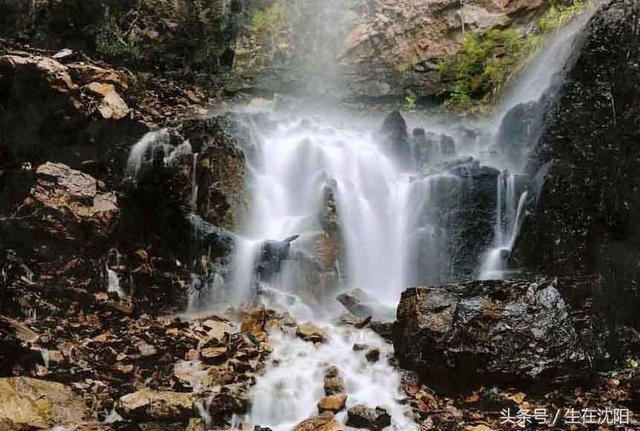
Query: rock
point(31, 403)
point(196, 424)
point(395, 137)
point(360, 416)
point(332, 403)
point(495, 332)
point(373, 355)
point(357, 347)
point(310, 332)
point(214, 355)
point(363, 305)
point(333, 383)
point(586, 163)
point(68, 205)
point(156, 405)
point(259, 428)
point(146, 349)
point(272, 254)
point(322, 422)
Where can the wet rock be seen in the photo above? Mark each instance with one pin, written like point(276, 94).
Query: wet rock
point(333, 383)
point(272, 254)
point(156, 405)
point(310, 332)
point(395, 137)
point(357, 347)
point(373, 355)
point(458, 336)
point(31, 403)
point(363, 305)
point(332, 403)
point(259, 428)
point(322, 422)
point(360, 416)
point(586, 164)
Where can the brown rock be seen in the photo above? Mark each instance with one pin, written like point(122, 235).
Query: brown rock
point(310, 332)
point(214, 355)
point(332, 403)
point(64, 202)
point(156, 405)
point(322, 422)
point(32, 403)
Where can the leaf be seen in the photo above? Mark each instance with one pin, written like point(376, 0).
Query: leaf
point(518, 398)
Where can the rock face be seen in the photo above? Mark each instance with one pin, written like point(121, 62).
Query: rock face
point(494, 332)
point(585, 219)
point(31, 403)
point(385, 49)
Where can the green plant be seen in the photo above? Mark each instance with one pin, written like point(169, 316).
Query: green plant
point(489, 59)
point(268, 24)
point(411, 102)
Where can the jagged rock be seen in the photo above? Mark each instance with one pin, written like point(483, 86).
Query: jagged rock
point(322, 422)
point(272, 254)
point(156, 405)
point(31, 403)
point(363, 305)
point(67, 205)
point(360, 416)
point(332, 403)
point(493, 332)
point(310, 332)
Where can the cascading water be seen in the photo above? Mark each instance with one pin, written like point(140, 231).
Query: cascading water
point(396, 219)
point(509, 216)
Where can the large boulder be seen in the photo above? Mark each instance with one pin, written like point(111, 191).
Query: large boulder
point(31, 403)
point(361, 416)
point(587, 206)
point(156, 405)
point(493, 332)
point(63, 206)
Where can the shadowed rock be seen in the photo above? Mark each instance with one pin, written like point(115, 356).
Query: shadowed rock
point(514, 332)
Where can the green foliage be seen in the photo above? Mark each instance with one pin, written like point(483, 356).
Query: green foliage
point(557, 16)
point(489, 59)
point(268, 24)
point(410, 102)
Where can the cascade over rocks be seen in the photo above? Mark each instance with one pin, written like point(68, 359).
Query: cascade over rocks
point(494, 332)
point(586, 211)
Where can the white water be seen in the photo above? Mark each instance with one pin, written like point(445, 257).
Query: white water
point(384, 219)
point(509, 216)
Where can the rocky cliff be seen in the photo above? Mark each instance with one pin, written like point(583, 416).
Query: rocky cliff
point(584, 219)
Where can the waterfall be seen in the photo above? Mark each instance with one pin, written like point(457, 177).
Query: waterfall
point(194, 184)
point(509, 216)
point(113, 280)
